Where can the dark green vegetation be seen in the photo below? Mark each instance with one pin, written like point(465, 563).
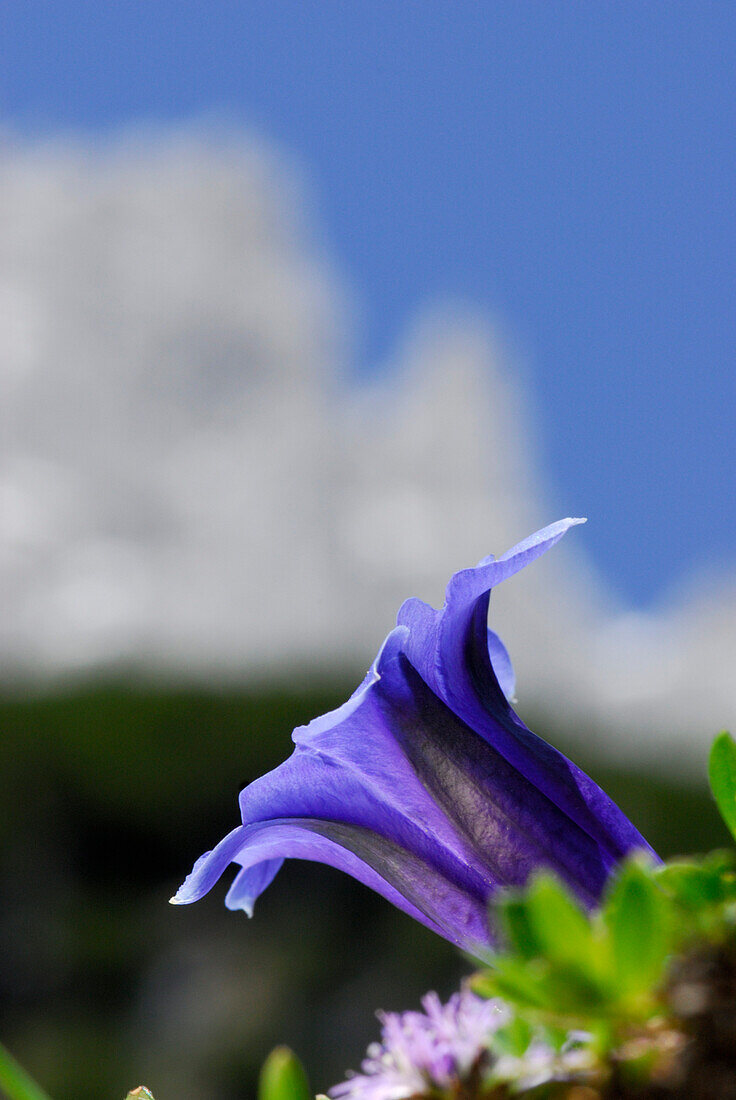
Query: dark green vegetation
point(109, 794)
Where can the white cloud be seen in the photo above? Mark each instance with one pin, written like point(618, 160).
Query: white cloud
point(185, 483)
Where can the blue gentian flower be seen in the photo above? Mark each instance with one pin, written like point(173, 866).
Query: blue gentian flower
point(425, 785)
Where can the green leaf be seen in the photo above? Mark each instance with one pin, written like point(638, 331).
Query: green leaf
point(543, 990)
point(692, 884)
point(721, 861)
point(637, 915)
point(515, 981)
point(513, 915)
point(576, 994)
point(722, 864)
point(514, 1038)
point(722, 776)
point(558, 924)
point(15, 1083)
point(283, 1077)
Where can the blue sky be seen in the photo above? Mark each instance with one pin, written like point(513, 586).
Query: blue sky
point(568, 167)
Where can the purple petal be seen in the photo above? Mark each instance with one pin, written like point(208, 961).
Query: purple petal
point(395, 789)
point(432, 645)
point(425, 785)
point(348, 772)
point(250, 883)
point(450, 650)
point(391, 871)
point(512, 826)
point(501, 665)
point(208, 868)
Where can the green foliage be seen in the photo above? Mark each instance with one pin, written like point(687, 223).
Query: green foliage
point(607, 972)
point(638, 922)
point(620, 982)
point(283, 1077)
point(562, 966)
point(514, 1038)
point(560, 928)
point(722, 776)
point(702, 891)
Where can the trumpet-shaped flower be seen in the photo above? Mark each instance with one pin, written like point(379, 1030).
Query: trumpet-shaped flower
point(425, 785)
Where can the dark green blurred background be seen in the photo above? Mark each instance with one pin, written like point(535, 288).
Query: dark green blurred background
point(110, 791)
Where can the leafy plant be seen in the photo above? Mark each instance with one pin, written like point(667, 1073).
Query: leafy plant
point(635, 979)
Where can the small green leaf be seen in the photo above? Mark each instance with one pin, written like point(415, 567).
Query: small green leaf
point(692, 884)
point(514, 1038)
point(558, 924)
point(722, 864)
point(15, 1083)
point(721, 861)
point(576, 994)
point(283, 1078)
point(513, 915)
point(543, 990)
point(636, 913)
point(521, 983)
point(722, 776)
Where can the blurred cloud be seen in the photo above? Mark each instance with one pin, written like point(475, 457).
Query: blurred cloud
point(189, 484)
